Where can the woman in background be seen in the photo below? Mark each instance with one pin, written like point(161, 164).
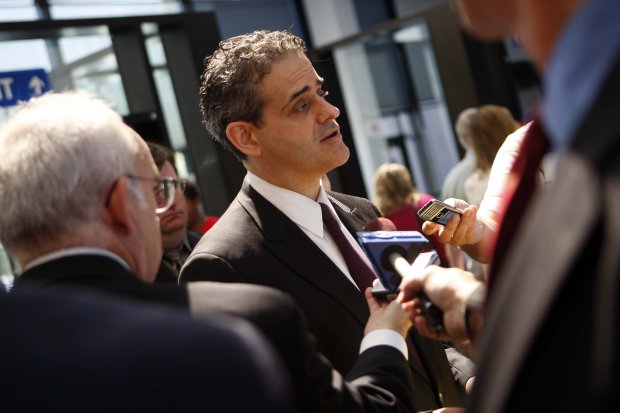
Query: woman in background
point(487, 127)
point(399, 200)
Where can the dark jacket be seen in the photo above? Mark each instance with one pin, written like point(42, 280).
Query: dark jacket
point(379, 380)
point(77, 351)
point(551, 333)
point(254, 242)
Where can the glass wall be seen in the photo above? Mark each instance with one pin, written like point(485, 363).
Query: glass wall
point(17, 10)
point(167, 99)
point(88, 58)
point(395, 99)
point(392, 59)
point(65, 9)
point(82, 59)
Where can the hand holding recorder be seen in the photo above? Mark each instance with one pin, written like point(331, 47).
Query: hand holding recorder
point(391, 252)
point(454, 221)
point(450, 289)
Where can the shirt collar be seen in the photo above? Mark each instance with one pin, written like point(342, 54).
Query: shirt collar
point(303, 211)
point(68, 252)
point(581, 60)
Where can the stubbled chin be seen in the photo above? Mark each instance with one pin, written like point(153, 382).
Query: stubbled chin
point(346, 154)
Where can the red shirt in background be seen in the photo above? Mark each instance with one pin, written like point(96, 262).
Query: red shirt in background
point(208, 223)
point(407, 220)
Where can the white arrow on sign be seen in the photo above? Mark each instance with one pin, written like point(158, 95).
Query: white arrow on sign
point(5, 88)
point(37, 85)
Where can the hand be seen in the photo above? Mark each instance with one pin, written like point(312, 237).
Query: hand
point(459, 231)
point(384, 314)
point(449, 289)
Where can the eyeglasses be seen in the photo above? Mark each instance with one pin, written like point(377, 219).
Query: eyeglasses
point(163, 188)
point(180, 184)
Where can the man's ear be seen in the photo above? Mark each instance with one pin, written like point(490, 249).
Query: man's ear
point(240, 134)
point(119, 214)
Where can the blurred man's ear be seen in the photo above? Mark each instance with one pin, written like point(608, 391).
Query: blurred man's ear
point(119, 206)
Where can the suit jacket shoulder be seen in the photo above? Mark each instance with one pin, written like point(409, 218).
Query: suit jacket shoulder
point(78, 345)
point(354, 212)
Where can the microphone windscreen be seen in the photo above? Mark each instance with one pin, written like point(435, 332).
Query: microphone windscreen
point(380, 224)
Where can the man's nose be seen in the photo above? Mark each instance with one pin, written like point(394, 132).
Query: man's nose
point(328, 111)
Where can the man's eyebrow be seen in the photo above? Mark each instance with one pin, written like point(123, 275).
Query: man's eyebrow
point(319, 83)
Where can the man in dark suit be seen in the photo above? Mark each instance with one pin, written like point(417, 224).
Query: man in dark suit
point(549, 340)
point(98, 229)
point(262, 99)
point(74, 351)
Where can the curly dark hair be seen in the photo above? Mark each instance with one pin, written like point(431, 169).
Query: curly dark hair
point(228, 90)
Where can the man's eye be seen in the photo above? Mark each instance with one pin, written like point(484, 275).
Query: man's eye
point(302, 106)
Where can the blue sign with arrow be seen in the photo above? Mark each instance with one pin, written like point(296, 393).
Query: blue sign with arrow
point(22, 85)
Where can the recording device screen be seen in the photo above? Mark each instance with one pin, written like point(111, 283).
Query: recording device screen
point(437, 211)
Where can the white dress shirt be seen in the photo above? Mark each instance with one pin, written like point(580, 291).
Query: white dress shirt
point(306, 214)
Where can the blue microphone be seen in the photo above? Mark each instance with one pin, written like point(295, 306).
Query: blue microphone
point(392, 253)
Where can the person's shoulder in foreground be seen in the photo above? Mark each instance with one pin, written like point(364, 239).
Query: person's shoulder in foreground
point(550, 333)
point(90, 199)
point(95, 353)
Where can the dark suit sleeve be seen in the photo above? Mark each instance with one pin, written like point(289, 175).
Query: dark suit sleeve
point(380, 380)
point(209, 267)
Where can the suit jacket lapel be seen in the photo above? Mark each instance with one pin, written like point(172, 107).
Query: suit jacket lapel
point(554, 228)
point(289, 243)
point(348, 215)
point(533, 274)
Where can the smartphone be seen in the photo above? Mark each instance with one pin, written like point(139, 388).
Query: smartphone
point(437, 211)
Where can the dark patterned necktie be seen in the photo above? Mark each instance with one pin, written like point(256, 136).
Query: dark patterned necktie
point(361, 272)
point(520, 186)
point(174, 260)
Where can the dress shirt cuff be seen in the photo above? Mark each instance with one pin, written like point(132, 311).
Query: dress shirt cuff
point(384, 337)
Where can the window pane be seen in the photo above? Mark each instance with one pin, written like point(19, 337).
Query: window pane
point(17, 10)
point(61, 9)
